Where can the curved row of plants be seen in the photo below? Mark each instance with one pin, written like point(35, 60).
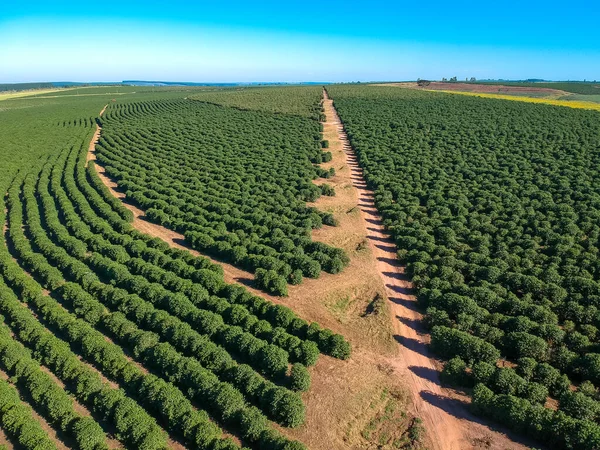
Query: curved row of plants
point(118, 279)
point(234, 182)
point(91, 390)
point(495, 209)
point(104, 354)
point(17, 421)
point(200, 384)
point(54, 403)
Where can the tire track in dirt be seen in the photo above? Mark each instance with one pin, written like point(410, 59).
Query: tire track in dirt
point(448, 423)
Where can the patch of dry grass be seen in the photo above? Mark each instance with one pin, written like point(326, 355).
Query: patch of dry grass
point(354, 404)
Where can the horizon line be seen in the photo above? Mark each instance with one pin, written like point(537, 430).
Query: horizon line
point(125, 82)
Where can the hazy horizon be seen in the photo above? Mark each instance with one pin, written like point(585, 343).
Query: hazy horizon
point(98, 83)
point(336, 42)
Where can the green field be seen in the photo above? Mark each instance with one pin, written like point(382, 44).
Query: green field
point(257, 166)
point(33, 128)
point(494, 208)
point(117, 339)
point(92, 299)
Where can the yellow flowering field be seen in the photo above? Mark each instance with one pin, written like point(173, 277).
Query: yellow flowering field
point(548, 101)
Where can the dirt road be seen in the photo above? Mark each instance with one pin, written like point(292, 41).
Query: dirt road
point(444, 430)
point(448, 423)
point(95, 137)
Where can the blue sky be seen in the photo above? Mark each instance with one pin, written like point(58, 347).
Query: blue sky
point(309, 41)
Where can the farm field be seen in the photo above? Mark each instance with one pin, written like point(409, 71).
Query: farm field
point(582, 97)
point(237, 191)
point(297, 268)
point(28, 93)
point(492, 206)
point(578, 87)
point(574, 95)
point(125, 341)
point(486, 88)
point(569, 101)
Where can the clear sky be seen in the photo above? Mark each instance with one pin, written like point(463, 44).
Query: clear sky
point(331, 40)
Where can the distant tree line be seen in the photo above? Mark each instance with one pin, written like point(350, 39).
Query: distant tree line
point(24, 86)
